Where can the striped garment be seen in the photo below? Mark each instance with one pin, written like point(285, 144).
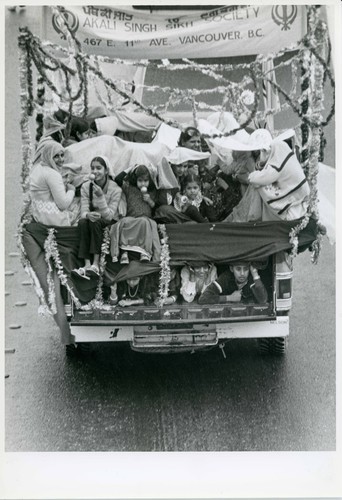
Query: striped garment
point(282, 184)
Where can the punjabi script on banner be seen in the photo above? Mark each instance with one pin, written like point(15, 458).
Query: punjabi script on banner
point(227, 31)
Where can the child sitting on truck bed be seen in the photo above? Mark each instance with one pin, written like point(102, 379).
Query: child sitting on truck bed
point(240, 283)
point(195, 278)
point(137, 232)
point(193, 204)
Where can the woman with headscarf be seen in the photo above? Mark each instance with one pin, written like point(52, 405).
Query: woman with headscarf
point(100, 198)
point(51, 197)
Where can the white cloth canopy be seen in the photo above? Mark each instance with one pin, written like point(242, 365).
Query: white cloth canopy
point(122, 154)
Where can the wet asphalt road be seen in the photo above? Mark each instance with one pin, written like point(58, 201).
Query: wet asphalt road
point(119, 400)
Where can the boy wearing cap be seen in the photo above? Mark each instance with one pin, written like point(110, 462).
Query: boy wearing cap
point(240, 283)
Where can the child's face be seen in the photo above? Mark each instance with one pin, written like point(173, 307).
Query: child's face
point(99, 171)
point(191, 190)
point(143, 182)
point(133, 282)
point(240, 272)
point(179, 170)
point(201, 271)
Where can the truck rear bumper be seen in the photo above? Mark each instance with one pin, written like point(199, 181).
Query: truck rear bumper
point(196, 335)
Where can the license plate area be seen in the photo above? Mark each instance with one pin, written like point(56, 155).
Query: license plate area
point(175, 339)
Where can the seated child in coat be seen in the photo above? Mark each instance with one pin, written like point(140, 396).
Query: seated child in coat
point(192, 203)
point(240, 283)
point(222, 189)
point(137, 232)
point(195, 278)
point(144, 290)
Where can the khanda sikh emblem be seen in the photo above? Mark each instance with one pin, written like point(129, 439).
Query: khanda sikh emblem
point(69, 18)
point(284, 15)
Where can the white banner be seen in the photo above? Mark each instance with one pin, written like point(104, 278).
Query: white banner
point(227, 31)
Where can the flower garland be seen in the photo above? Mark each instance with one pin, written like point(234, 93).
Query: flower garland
point(165, 271)
point(97, 302)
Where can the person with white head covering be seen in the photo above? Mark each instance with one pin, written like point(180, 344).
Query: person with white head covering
point(100, 198)
point(281, 183)
point(50, 197)
point(278, 189)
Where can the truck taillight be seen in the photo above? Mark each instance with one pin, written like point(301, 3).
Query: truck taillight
point(284, 288)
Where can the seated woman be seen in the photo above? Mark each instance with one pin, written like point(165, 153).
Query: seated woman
point(195, 278)
point(51, 199)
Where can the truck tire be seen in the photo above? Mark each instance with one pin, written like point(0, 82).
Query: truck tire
point(84, 348)
point(80, 349)
point(273, 345)
point(71, 350)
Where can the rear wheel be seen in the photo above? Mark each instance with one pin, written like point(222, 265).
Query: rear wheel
point(273, 345)
point(84, 348)
point(71, 350)
point(80, 349)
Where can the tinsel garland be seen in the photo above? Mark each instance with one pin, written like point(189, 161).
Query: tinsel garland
point(309, 49)
point(49, 249)
point(24, 117)
point(39, 107)
point(165, 271)
point(153, 110)
point(313, 71)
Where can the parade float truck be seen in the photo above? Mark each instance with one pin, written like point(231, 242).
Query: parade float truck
point(80, 307)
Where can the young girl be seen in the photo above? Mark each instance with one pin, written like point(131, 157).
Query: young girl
point(100, 199)
point(136, 232)
point(193, 203)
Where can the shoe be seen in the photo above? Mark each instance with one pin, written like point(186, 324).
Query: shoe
point(124, 258)
point(81, 272)
point(93, 271)
point(144, 258)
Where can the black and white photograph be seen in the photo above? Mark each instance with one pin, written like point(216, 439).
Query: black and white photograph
point(169, 294)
